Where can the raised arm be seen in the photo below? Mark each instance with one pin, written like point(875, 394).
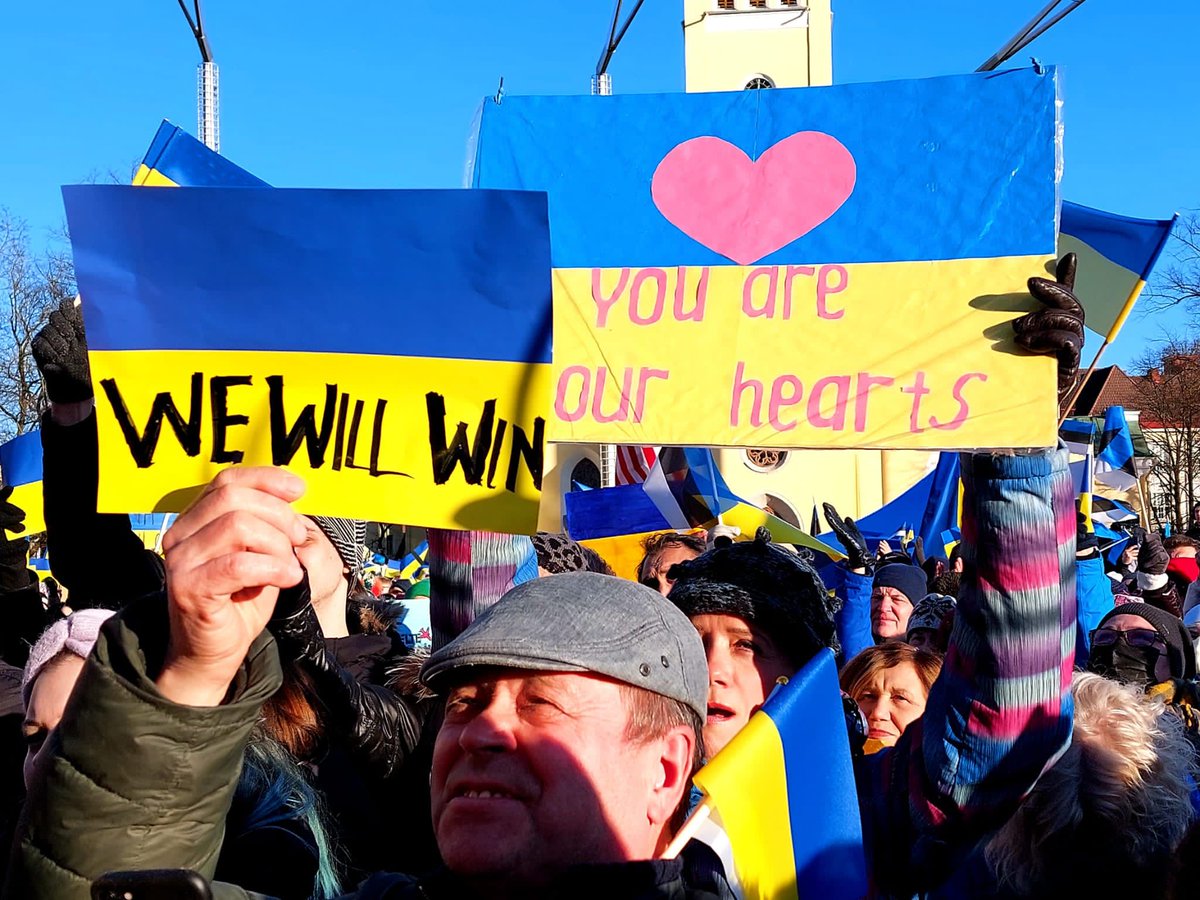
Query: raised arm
point(145, 761)
point(1000, 712)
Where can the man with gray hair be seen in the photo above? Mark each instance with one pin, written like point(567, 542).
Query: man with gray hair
point(574, 709)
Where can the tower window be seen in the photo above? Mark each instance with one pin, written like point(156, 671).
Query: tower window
point(724, 4)
point(758, 4)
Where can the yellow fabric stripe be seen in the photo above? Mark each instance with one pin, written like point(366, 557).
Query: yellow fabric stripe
point(147, 177)
point(748, 518)
point(28, 497)
point(747, 784)
point(1125, 311)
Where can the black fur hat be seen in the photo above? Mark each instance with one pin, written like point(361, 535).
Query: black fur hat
point(761, 583)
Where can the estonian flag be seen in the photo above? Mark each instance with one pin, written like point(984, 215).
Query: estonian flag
point(1114, 459)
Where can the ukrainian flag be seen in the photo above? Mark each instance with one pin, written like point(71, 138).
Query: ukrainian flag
point(1116, 256)
point(21, 467)
point(226, 325)
point(176, 159)
point(783, 793)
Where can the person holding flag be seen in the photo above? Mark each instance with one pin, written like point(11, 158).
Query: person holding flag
point(995, 717)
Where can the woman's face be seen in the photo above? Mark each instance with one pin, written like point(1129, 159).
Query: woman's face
point(47, 701)
point(326, 571)
point(743, 666)
point(892, 701)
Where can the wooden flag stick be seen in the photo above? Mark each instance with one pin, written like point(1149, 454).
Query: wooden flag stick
point(698, 817)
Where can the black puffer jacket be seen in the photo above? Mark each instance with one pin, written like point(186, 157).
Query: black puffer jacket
point(378, 726)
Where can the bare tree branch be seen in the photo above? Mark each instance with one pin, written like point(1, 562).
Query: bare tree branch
point(34, 283)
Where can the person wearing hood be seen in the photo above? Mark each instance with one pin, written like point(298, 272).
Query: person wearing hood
point(930, 623)
point(1144, 646)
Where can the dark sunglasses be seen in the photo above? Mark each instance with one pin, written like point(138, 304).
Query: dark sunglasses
point(1137, 637)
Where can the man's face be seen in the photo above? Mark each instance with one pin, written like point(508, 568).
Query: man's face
point(656, 575)
point(743, 666)
point(532, 773)
point(890, 610)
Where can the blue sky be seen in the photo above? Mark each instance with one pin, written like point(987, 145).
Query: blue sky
point(384, 97)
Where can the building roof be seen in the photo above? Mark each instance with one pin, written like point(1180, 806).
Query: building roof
point(1107, 387)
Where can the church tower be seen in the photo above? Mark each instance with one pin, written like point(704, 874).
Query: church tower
point(731, 45)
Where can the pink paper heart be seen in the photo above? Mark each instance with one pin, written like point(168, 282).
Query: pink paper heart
point(747, 209)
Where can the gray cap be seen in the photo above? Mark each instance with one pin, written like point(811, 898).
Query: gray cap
point(585, 622)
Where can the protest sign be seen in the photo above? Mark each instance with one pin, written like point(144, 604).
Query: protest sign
point(391, 347)
point(21, 469)
point(818, 267)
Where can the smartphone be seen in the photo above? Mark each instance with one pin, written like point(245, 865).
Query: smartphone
point(152, 884)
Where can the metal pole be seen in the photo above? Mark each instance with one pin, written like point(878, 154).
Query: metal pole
point(1028, 33)
point(208, 88)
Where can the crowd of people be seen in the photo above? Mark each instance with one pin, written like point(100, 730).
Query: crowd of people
point(1023, 717)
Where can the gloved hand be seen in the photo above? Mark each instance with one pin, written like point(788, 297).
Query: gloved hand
point(919, 551)
point(1058, 329)
point(60, 351)
point(14, 551)
point(848, 535)
point(1086, 542)
point(1152, 556)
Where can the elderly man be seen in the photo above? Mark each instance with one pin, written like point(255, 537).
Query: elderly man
point(572, 722)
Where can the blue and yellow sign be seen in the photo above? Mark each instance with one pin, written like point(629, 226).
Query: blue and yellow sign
point(818, 267)
point(391, 347)
point(21, 468)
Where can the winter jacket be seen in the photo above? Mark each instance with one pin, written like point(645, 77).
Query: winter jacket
point(1095, 599)
point(1000, 712)
point(25, 618)
point(379, 726)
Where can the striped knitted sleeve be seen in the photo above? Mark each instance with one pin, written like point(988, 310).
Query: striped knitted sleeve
point(1000, 713)
point(468, 572)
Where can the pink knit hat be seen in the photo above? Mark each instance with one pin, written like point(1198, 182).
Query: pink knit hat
point(75, 634)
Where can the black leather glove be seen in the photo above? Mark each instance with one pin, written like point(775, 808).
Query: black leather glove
point(14, 551)
point(848, 535)
point(60, 351)
point(1152, 556)
point(1058, 329)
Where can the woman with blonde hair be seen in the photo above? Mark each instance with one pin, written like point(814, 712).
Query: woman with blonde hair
point(890, 683)
point(1105, 820)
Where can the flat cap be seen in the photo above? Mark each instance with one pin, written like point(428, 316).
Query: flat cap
point(584, 622)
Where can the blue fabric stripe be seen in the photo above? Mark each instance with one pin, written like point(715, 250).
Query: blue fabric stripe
point(821, 793)
point(611, 511)
point(928, 154)
point(180, 157)
point(1133, 244)
point(445, 274)
point(21, 459)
